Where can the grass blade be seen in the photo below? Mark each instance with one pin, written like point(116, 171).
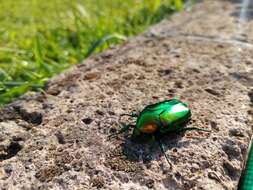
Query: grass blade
point(101, 41)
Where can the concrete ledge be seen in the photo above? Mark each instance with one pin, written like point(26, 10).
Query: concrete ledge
point(58, 139)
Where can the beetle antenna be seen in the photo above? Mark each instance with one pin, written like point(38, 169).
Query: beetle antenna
point(161, 145)
point(124, 129)
point(129, 114)
point(126, 114)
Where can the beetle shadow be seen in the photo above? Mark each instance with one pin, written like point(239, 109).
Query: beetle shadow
point(140, 150)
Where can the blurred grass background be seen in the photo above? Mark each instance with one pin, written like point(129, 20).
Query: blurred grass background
point(39, 39)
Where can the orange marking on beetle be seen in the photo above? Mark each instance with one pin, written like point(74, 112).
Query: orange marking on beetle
point(149, 128)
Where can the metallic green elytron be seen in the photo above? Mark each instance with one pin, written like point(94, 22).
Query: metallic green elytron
point(163, 117)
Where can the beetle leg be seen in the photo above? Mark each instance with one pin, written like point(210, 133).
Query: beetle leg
point(161, 145)
point(136, 133)
point(193, 128)
point(124, 129)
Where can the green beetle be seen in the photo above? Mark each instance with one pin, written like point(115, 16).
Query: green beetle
point(163, 117)
point(166, 116)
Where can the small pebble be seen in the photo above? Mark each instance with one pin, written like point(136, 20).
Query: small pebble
point(87, 120)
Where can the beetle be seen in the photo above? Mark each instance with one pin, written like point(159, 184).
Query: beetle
point(169, 116)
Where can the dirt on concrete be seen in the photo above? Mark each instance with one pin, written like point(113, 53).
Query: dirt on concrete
point(59, 139)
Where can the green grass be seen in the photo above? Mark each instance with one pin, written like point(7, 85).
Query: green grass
point(39, 39)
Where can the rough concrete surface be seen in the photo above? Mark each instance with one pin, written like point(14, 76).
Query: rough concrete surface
point(59, 139)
